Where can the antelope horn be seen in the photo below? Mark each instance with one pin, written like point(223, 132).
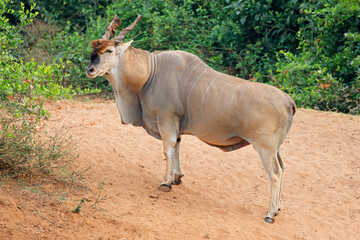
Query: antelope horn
point(125, 31)
point(111, 29)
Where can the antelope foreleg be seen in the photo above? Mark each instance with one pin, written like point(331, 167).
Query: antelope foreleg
point(177, 170)
point(169, 137)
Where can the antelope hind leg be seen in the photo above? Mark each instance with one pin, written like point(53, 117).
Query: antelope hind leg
point(274, 171)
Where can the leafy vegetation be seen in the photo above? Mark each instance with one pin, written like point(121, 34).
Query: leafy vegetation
point(316, 43)
point(324, 73)
point(25, 150)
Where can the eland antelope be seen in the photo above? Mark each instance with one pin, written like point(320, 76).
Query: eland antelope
point(171, 93)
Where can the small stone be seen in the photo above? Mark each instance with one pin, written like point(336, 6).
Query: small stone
point(154, 196)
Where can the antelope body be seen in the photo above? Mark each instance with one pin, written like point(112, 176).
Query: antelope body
point(171, 93)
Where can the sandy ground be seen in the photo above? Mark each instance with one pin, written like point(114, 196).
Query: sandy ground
point(223, 195)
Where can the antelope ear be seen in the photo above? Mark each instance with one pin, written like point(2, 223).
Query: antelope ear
point(121, 46)
point(126, 45)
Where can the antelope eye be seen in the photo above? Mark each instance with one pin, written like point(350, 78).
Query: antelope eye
point(109, 51)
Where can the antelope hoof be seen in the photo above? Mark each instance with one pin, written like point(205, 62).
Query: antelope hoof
point(164, 188)
point(177, 180)
point(269, 220)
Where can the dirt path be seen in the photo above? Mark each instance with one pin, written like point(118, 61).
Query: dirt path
point(223, 195)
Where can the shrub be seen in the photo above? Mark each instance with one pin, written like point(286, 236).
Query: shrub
point(325, 72)
point(24, 149)
point(331, 34)
point(244, 38)
point(20, 79)
point(77, 12)
point(312, 86)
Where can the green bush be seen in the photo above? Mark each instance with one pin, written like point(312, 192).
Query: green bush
point(77, 12)
point(10, 37)
point(311, 85)
point(24, 148)
point(28, 79)
point(325, 72)
point(245, 38)
point(20, 79)
point(332, 34)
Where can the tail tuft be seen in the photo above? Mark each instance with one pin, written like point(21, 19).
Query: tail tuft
point(292, 105)
point(293, 108)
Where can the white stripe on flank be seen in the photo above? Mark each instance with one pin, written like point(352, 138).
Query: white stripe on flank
point(184, 69)
point(194, 85)
point(232, 98)
point(182, 93)
point(202, 115)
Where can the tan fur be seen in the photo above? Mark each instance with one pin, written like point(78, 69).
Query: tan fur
point(171, 93)
point(136, 68)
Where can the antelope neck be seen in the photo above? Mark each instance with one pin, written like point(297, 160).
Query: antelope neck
point(135, 65)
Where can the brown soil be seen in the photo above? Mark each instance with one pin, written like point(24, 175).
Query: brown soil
point(223, 195)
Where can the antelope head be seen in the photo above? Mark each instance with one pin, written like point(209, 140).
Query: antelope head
point(106, 51)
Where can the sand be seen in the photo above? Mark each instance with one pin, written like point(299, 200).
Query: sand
point(223, 195)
